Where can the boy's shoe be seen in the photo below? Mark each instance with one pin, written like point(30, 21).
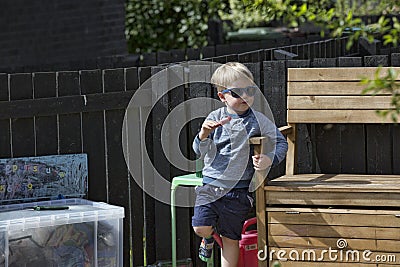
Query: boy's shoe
point(206, 248)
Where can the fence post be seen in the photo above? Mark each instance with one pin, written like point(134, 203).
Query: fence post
point(352, 136)
point(46, 130)
point(5, 136)
point(379, 137)
point(22, 129)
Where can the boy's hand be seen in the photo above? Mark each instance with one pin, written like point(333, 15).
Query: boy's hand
point(261, 162)
point(207, 127)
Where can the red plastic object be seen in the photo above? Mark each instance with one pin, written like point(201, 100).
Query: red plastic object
point(248, 246)
point(217, 238)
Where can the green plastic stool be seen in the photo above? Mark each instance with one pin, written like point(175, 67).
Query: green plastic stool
point(192, 179)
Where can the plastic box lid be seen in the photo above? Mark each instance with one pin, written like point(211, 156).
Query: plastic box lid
point(23, 216)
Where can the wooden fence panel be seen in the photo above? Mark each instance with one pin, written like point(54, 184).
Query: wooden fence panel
point(352, 135)
point(274, 89)
point(378, 137)
point(70, 131)
point(396, 149)
point(176, 79)
point(46, 127)
point(118, 181)
point(133, 129)
point(5, 133)
point(197, 89)
point(159, 85)
point(327, 136)
point(193, 54)
point(379, 149)
point(208, 52)
point(22, 129)
point(94, 140)
point(148, 201)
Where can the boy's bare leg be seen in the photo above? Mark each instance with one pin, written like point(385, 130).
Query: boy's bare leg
point(230, 253)
point(203, 231)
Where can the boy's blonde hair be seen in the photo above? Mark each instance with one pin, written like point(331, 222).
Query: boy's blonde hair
point(228, 73)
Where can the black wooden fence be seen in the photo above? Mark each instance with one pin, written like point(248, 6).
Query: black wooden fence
point(163, 57)
point(47, 113)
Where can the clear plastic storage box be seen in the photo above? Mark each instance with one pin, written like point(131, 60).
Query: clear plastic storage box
point(62, 233)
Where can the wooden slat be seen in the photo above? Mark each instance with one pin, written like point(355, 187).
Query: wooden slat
point(340, 186)
point(286, 129)
point(339, 116)
point(339, 102)
point(346, 211)
point(334, 217)
point(256, 140)
point(5, 137)
point(355, 244)
point(260, 204)
point(379, 148)
point(351, 137)
point(329, 198)
point(291, 159)
point(332, 74)
point(91, 82)
point(70, 126)
point(72, 103)
point(305, 230)
point(118, 181)
point(22, 130)
point(46, 129)
point(327, 88)
point(332, 178)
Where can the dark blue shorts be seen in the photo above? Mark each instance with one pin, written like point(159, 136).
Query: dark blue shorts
point(223, 209)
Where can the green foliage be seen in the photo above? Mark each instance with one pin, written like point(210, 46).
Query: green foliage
point(292, 12)
point(153, 25)
point(337, 17)
point(385, 84)
point(242, 15)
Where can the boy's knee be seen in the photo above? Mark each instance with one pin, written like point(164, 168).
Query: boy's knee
point(203, 231)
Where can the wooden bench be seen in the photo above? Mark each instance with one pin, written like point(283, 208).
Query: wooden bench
point(314, 211)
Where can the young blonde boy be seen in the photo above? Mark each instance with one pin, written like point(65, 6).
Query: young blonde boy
point(223, 202)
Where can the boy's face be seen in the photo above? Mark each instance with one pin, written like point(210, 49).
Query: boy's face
point(238, 105)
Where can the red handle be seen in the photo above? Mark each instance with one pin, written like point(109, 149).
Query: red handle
point(249, 222)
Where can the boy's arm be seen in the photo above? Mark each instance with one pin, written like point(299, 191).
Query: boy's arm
point(269, 158)
point(261, 162)
point(203, 140)
point(200, 147)
point(276, 146)
point(281, 147)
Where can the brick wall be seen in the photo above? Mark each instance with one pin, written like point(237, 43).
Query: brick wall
point(38, 33)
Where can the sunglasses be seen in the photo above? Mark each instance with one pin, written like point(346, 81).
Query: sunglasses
point(238, 92)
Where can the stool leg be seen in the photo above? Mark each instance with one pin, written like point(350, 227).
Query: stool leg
point(210, 263)
point(173, 228)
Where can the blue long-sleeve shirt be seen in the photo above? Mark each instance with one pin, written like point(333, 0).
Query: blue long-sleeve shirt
point(227, 153)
